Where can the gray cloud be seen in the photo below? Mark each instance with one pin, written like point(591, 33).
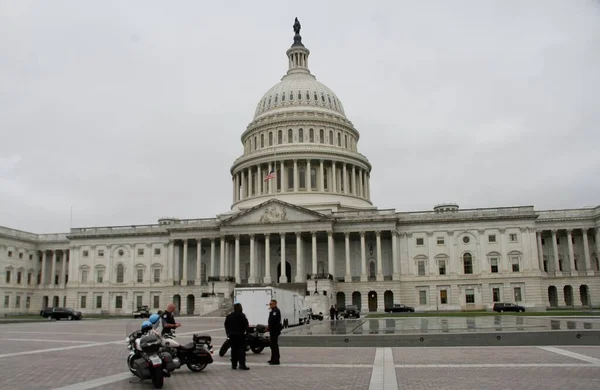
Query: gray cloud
point(129, 111)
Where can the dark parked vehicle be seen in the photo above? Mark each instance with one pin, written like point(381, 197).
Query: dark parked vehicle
point(46, 312)
point(142, 312)
point(500, 307)
point(351, 311)
point(399, 308)
point(59, 313)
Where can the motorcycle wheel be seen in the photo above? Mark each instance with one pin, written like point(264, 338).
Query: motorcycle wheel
point(196, 367)
point(258, 349)
point(158, 379)
point(224, 348)
point(130, 360)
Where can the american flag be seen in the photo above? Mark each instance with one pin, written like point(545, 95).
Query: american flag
point(270, 176)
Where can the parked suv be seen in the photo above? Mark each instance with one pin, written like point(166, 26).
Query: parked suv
point(59, 313)
point(46, 313)
point(500, 307)
point(142, 312)
point(399, 308)
point(351, 311)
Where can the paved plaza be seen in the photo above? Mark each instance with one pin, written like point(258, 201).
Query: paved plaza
point(90, 354)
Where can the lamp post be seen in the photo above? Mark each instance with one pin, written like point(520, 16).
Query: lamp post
point(316, 290)
point(213, 289)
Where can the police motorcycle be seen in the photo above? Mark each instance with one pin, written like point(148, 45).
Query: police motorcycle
point(256, 340)
point(146, 358)
point(196, 355)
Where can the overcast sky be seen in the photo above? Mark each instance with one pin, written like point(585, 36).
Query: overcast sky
point(128, 111)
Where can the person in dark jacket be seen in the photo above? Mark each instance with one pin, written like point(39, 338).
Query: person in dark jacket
point(236, 328)
point(274, 328)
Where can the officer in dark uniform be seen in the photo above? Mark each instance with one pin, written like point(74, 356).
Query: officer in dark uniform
point(168, 321)
point(236, 328)
point(274, 328)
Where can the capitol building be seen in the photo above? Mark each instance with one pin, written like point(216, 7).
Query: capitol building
point(302, 218)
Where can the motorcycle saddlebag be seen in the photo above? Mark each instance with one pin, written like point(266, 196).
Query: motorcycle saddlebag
point(168, 361)
point(202, 339)
point(141, 368)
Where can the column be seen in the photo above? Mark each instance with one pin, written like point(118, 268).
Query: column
point(348, 276)
point(267, 278)
point(360, 183)
point(252, 277)
point(586, 253)
point(270, 185)
point(44, 260)
point(333, 177)
point(198, 279)
point(242, 187)
point(555, 252)
point(299, 266)
point(170, 257)
point(363, 258)
point(504, 258)
point(345, 173)
point(212, 257)
point(379, 262)
point(453, 262)
point(571, 253)
point(53, 275)
point(314, 252)
point(540, 250)
point(331, 254)
point(109, 263)
point(353, 180)
point(321, 176)
point(395, 260)
point(283, 277)
point(295, 175)
point(233, 186)
point(185, 254)
point(308, 176)
point(484, 266)
point(259, 181)
point(281, 177)
point(63, 273)
point(238, 278)
point(222, 257)
point(533, 252)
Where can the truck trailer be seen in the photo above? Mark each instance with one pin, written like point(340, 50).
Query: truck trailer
point(255, 302)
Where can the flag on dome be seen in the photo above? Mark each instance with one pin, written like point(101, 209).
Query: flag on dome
point(270, 176)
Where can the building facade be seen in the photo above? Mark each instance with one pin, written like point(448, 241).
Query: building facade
point(312, 227)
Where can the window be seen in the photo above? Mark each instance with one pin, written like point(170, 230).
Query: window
point(140, 252)
point(100, 276)
point(467, 263)
point(156, 301)
point(419, 241)
point(139, 301)
point(279, 137)
point(313, 178)
point(121, 252)
point(283, 97)
point(118, 302)
point(6, 301)
point(492, 238)
point(515, 263)
point(99, 302)
point(30, 257)
point(29, 278)
point(470, 296)
point(100, 253)
point(7, 277)
point(496, 294)
point(270, 138)
point(442, 267)
point(156, 251)
point(494, 265)
point(517, 291)
point(321, 136)
point(140, 275)
point(19, 277)
point(20, 255)
point(9, 253)
point(302, 177)
point(311, 135)
point(82, 301)
point(27, 302)
point(422, 297)
point(156, 275)
point(421, 265)
point(339, 139)
point(301, 135)
point(512, 237)
point(290, 177)
point(120, 273)
point(17, 301)
point(330, 137)
point(346, 141)
point(443, 297)
point(307, 95)
point(440, 240)
point(84, 276)
point(290, 136)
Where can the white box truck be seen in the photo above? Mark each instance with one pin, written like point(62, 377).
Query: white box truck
point(255, 303)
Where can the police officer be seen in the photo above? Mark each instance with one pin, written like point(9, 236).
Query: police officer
point(274, 328)
point(168, 321)
point(236, 328)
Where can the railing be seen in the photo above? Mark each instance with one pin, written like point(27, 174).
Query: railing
point(319, 276)
point(132, 229)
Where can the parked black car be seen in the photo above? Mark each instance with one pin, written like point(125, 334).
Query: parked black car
point(351, 311)
point(500, 307)
point(59, 313)
point(46, 312)
point(399, 308)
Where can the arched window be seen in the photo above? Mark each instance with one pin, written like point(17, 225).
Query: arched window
point(291, 96)
point(262, 140)
point(299, 96)
point(276, 97)
point(300, 135)
point(313, 178)
point(279, 137)
point(270, 138)
point(283, 97)
point(325, 180)
point(255, 143)
point(311, 135)
point(467, 264)
point(302, 177)
point(346, 141)
point(290, 137)
point(321, 136)
point(330, 137)
point(339, 139)
point(307, 95)
point(120, 273)
point(316, 98)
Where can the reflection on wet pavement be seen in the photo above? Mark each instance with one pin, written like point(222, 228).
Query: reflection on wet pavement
point(421, 325)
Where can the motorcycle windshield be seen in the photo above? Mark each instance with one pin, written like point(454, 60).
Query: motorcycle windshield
point(158, 327)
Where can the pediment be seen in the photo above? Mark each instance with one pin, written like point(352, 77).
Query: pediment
point(274, 212)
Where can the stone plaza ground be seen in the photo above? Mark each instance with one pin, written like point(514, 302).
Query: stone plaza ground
point(90, 354)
